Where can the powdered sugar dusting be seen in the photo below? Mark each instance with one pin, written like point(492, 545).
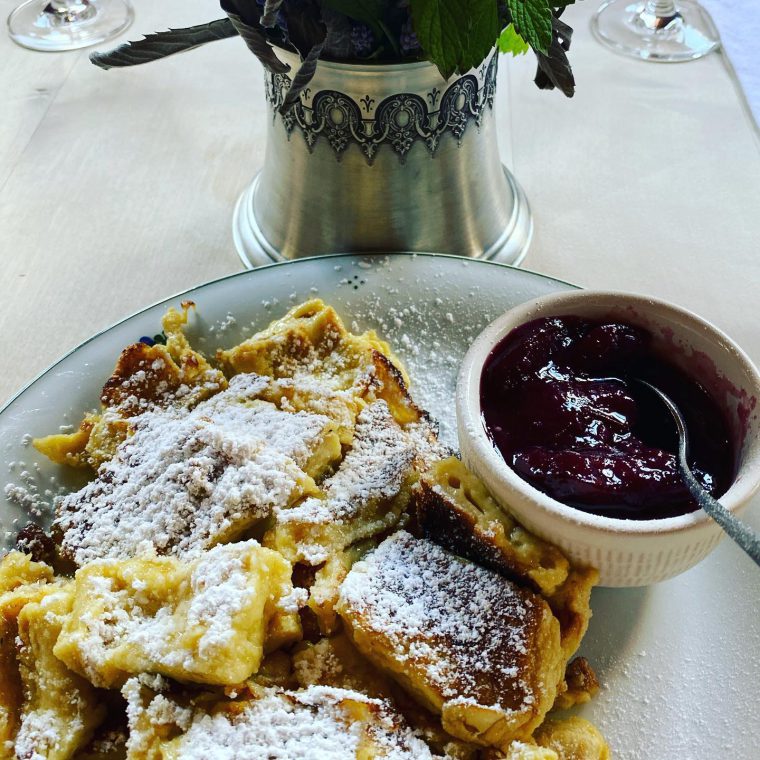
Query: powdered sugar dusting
point(468, 630)
point(220, 590)
point(183, 479)
point(374, 467)
point(373, 470)
point(318, 723)
point(39, 737)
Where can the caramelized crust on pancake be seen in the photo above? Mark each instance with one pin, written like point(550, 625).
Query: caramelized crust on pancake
point(455, 510)
point(581, 685)
point(317, 723)
point(144, 377)
point(465, 641)
point(317, 361)
point(32, 541)
point(312, 330)
point(203, 621)
point(571, 605)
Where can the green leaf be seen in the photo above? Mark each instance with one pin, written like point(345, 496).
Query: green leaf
point(369, 12)
point(533, 21)
point(162, 44)
point(456, 35)
point(511, 42)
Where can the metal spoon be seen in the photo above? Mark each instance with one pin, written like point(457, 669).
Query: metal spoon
point(736, 529)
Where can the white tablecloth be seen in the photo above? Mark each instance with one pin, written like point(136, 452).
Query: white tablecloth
point(738, 22)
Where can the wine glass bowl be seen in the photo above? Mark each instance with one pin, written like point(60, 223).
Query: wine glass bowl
point(57, 25)
point(665, 31)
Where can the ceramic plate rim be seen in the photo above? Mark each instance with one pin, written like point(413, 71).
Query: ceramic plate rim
point(251, 273)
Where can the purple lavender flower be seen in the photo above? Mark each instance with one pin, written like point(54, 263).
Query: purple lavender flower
point(362, 39)
point(408, 41)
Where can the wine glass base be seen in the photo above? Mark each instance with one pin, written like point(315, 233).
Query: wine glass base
point(37, 25)
point(625, 27)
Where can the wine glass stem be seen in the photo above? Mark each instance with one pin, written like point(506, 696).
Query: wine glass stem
point(661, 8)
point(68, 11)
point(658, 15)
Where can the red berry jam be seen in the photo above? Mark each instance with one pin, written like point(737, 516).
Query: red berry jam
point(558, 402)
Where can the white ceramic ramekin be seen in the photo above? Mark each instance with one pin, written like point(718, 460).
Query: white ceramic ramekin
point(626, 552)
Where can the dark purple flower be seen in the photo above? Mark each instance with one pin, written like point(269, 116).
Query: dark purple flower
point(362, 40)
point(408, 41)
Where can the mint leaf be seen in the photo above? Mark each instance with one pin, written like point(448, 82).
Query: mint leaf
point(511, 42)
point(482, 33)
point(369, 12)
point(455, 34)
point(533, 21)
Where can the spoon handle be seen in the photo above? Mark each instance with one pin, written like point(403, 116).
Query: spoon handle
point(741, 533)
point(738, 530)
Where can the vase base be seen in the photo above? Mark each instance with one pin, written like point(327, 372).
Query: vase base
point(510, 248)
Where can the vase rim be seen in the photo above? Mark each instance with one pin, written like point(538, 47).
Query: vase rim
point(372, 68)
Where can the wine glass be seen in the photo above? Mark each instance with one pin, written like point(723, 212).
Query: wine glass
point(68, 24)
point(656, 30)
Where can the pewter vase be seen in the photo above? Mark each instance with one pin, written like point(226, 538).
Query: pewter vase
point(383, 158)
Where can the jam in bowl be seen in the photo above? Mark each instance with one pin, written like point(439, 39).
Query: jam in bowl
point(551, 417)
point(561, 402)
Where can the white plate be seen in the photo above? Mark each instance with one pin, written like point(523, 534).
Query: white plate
point(679, 662)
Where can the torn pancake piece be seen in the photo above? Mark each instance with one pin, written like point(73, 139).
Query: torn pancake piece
point(185, 481)
point(145, 377)
point(22, 582)
point(60, 709)
point(571, 605)
point(455, 510)
point(364, 497)
point(318, 365)
point(317, 723)
point(204, 621)
point(573, 738)
point(466, 642)
point(18, 569)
